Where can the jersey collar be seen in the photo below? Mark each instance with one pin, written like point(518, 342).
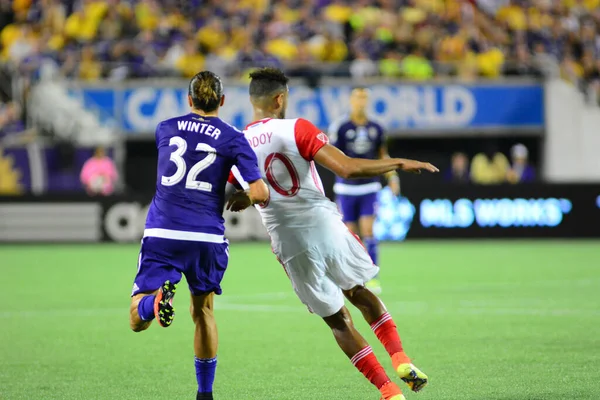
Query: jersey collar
point(261, 121)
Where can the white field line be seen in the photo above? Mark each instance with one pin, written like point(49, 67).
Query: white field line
point(398, 309)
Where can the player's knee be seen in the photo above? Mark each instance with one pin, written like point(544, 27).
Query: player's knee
point(360, 297)
point(366, 227)
point(200, 314)
point(354, 293)
point(340, 321)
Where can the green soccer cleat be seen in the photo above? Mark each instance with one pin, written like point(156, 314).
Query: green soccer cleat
point(374, 286)
point(163, 304)
point(412, 376)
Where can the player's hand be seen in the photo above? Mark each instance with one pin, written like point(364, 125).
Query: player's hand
point(416, 166)
point(239, 201)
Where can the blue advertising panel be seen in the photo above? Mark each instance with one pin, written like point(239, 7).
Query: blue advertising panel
point(399, 107)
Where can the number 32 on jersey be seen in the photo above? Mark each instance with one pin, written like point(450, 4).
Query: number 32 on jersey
point(177, 158)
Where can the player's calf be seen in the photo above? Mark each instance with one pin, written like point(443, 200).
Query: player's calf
point(385, 329)
point(368, 304)
point(136, 322)
point(205, 343)
point(360, 353)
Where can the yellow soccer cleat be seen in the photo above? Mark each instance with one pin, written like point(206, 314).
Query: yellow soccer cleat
point(397, 397)
point(413, 376)
point(374, 286)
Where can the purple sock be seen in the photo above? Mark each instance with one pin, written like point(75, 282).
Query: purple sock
point(205, 373)
point(371, 245)
point(146, 308)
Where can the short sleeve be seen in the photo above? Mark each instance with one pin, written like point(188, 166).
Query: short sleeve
point(245, 159)
point(158, 134)
point(309, 139)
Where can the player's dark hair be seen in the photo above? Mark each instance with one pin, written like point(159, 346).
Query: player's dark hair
point(267, 81)
point(206, 91)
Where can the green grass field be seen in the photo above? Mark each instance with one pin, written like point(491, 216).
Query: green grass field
point(486, 321)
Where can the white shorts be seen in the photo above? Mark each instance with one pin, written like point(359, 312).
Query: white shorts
point(320, 274)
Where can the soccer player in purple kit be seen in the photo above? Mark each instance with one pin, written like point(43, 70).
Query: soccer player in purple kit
point(360, 137)
point(184, 231)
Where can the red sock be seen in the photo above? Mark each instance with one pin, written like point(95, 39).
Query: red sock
point(387, 333)
point(366, 362)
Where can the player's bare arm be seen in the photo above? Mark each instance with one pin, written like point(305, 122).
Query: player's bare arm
point(346, 167)
point(392, 177)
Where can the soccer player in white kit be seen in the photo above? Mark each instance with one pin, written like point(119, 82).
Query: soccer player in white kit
point(323, 259)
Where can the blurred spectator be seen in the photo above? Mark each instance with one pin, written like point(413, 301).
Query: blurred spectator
point(99, 174)
point(546, 62)
point(391, 64)
point(9, 175)
point(571, 70)
point(459, 169)
point(12, 127)
point(489, 60)
point(490, 167)
point(304, 67)
point(10, 119)
point(191, 61)
point(513, 15)
point(89, 68)
point(520, 170)
point(415, 66)
point(363, 66)
point(522, 65)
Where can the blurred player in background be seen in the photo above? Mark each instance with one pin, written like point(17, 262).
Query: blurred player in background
point(360, 137)
point(323, 259)
point(184, 229)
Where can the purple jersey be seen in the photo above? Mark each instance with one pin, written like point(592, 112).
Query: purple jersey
point(195, 155)
point(358, 141)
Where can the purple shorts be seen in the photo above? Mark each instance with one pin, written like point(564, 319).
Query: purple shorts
point(354, 207)
point(202, 263)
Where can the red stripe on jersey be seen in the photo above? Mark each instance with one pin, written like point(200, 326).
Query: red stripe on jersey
point(309, 139)
point(315, 176)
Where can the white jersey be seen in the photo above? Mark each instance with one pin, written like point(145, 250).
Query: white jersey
point(298, 215)
point(320, 255)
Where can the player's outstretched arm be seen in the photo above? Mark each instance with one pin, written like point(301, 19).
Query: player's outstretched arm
point(346, 167)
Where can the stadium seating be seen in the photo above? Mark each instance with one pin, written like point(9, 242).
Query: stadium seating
point(412, 39)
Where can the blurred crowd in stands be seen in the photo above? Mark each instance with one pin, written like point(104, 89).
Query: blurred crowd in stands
point(492, 167)
point(413, 39)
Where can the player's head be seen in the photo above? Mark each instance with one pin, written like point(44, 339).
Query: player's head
point(269, 91)
point(205, 92)
point(100, 152)
point(359, 99)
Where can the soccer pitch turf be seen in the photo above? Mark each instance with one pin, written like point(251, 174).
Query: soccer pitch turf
point(490, 320)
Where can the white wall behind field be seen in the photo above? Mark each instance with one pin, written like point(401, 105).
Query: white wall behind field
point(572, 146)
